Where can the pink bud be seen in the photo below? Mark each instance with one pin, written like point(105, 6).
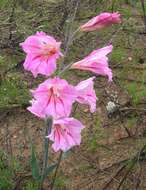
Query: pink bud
point(101, 21)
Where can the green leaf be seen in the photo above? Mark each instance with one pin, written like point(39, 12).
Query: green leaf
point(49, 170)
point(34, 164)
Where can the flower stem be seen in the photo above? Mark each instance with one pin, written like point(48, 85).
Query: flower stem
point(57, 167)
point(113, 5)
point(70, 39)
point(46, 152)
point(70, 34)
point(65, 69)
point(144, 11)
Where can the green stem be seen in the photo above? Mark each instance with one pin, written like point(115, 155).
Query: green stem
point(113, 5)
point(46, 152)
point(57, 167)
point(144, 11)
point(70, 34)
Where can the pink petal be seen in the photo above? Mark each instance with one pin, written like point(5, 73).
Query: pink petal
point(86, 93)
point(65, 134)
point(42, 53)
point(96, 62)
point(53, 97)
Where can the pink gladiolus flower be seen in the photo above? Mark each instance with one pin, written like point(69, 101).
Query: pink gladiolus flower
point(101, 21)
point(65, 133)
point(86, 93)
point(96, 62)
point(42, 52)
point(54, 97)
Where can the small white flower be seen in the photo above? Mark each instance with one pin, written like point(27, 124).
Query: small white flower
point(111, 107)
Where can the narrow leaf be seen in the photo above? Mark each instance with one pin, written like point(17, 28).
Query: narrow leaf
point(49, 170)
point(34, 164)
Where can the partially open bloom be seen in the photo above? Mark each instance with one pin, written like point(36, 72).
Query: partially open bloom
point(86, 93)
point(101, 21)
point(42, 52)
point(96, 62)
point(54, 97)
point(65, 133)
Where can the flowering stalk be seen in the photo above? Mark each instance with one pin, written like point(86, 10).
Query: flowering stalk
point(57, 167)
point(70, 34)
point(55, 97)
point(48, 127)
